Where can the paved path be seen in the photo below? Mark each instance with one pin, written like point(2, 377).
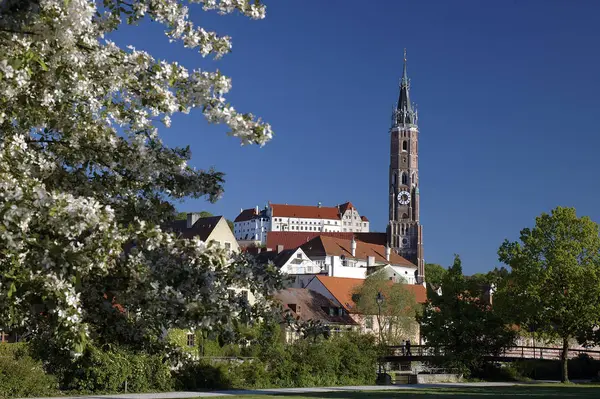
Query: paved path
point(274, 391)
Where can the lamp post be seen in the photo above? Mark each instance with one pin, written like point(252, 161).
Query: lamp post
point(379, 299)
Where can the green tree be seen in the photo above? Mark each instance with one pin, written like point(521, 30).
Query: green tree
point(399, 308)
point(554, 284)
point(461, 325)
point(434, 273)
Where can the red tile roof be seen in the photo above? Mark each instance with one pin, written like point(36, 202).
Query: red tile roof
point(304, 211)
point(364, 219)
point(323, 245)
point(342, 288)
point(294, 239)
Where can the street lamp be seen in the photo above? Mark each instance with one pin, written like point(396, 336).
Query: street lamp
point(379, 299)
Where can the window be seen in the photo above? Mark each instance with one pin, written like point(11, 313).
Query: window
point(369, 323)
point(191, 339)
point(228, 245)
point(405, 145)
point(245, 294)
point(404, 178)
point(331, 311)
point(299, 256)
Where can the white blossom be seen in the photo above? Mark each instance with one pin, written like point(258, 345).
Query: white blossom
point(84, 173)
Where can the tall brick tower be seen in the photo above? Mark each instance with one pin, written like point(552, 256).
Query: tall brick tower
point(404, 232)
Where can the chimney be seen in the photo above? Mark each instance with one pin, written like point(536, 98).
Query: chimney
point(370, 261)
point(353, 247)
point(388, 253)
point(331, 271)
point(279, 248)
point(192, 218)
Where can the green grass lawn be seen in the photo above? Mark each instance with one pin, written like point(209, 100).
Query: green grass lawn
point(525, 392)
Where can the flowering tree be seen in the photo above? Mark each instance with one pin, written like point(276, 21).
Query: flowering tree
point(86, 182)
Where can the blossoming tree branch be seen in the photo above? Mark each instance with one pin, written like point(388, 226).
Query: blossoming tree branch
point(86, 182)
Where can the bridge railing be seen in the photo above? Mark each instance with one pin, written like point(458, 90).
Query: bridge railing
point(524, 352)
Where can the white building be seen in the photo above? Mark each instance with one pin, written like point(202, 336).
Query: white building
point(340, 257)
point(255, 224)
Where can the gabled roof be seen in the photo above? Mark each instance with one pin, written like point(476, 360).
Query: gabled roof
point(345, 206)
point(201, 229)
point(312, 306)
point(278, 259)
point(307, 212)
point(246, 214)
point(342, 289)
point(294, 239)
point(333, 246)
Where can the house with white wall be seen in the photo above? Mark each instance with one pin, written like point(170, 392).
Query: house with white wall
point(255, 224)
point(209, 229)
point(351, 258)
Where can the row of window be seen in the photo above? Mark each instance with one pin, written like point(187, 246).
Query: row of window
point(304, 222)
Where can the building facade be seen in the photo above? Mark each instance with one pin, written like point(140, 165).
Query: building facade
point(404, 231)
point(255, 224)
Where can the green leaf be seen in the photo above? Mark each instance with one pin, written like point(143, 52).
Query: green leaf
point(11, 290)
point(42, 63)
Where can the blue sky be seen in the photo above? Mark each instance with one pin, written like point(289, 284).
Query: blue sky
point(508, 98)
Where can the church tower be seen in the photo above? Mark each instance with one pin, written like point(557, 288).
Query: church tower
point(404, 232)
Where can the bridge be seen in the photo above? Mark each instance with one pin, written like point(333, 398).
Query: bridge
point(424, 353)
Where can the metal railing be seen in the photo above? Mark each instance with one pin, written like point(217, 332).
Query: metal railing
point(523, 352)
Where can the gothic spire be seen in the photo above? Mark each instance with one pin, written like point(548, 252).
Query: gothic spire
point(404, 111)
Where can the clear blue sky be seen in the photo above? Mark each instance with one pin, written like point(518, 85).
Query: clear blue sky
point(508, 95)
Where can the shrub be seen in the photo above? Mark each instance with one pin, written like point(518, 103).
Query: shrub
point(197, 375)
point(110, 371)
point(22, 376)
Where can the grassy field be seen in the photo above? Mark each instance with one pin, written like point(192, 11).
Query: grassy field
point(525, 392)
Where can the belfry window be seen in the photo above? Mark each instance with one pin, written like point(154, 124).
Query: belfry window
point(405, 145)
point(404, 178)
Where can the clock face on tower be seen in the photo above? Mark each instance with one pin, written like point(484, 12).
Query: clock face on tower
point(403, 197)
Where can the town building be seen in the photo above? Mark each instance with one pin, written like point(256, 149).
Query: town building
point(341, 292)
point(340, 257)
point(255, 224)
point(208, 229)
point(303, 305)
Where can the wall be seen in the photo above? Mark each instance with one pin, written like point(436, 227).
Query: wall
point(351, 221)
point(284, 223)
point(223, 235)
point(438, 378)
point(396, 272)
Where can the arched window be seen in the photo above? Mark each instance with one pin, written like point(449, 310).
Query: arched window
point(414, 179)
point(405, 145)
point(404, 178)
point(394, 179)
